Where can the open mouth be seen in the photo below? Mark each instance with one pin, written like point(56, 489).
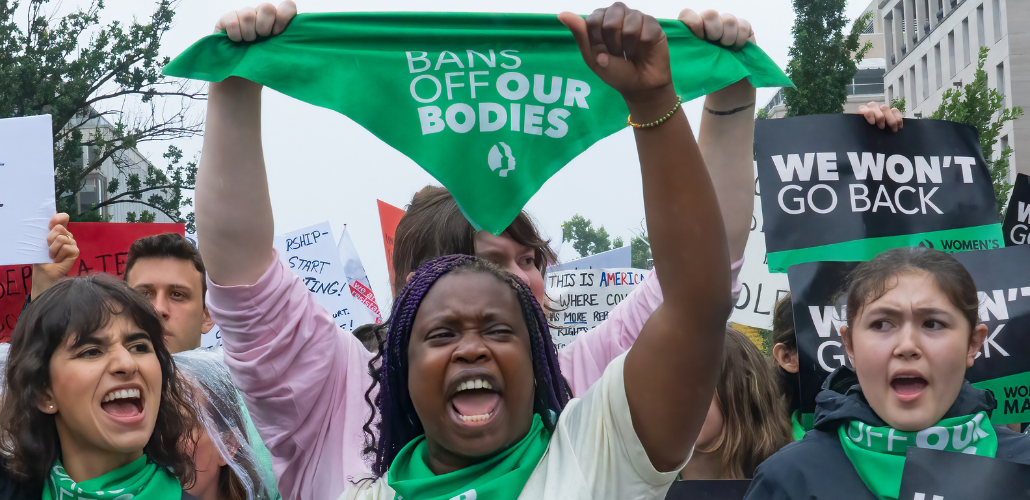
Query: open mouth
point(123, 404)
point(475, 402)
point(907, 387)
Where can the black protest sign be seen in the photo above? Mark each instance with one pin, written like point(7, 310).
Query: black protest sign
point(835, 188)
point(947, 475)
point(819, 311)
point(1016, 227)
point(715, 489)
point(1003, 285)
point(1002, 279)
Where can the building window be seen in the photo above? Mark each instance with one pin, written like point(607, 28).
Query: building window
point(1004, 145)
point(914, 84)
point(965, 42)
point(951, 54)
point(997, 19)
point(926, 78)
point(901, 87)
point(937, 65)
point(890, 95)
point(981, 35)
point(92, 193)
point(1000, 76)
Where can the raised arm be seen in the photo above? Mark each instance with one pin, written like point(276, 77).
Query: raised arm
point(682, 341)
point(728, 130)
point(234, 212)
point(63, 250)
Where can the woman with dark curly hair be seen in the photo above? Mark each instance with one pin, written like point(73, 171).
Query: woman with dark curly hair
point(93, 406)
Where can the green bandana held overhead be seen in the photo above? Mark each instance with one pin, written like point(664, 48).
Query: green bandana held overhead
point(139, 479)
point(491, 105)
point(502, 477)
point(878, 453)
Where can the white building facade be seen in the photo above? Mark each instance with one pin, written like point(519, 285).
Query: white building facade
point(932, 46)
point(95, 190)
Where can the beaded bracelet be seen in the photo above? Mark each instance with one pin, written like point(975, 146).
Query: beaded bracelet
point(629, 119)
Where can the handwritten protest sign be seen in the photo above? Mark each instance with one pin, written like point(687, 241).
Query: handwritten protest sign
point(947, 475)
point(1002, 277)
point(491, 105)
point(26, 189)
point(585, 297)
point(103, 247)
point(312, 255)
point(358, 282)
point(838, 189)
point(1016, 227)
point(759, 288)
point(389, 217)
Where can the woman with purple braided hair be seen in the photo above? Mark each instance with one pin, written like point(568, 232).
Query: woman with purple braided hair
point(303, 380)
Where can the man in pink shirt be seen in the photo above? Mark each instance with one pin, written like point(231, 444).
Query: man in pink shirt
point(306, 382)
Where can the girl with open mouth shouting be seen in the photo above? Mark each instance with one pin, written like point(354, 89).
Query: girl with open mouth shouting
point(93, 407)
point(913, 329)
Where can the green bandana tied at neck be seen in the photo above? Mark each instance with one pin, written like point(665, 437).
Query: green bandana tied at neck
point(139, 479)
point(878, 453)
point(491, 105)
point(797, 430)
point(499, 478)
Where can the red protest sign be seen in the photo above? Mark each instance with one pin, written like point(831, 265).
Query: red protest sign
point(389, 216)
point(103, 248)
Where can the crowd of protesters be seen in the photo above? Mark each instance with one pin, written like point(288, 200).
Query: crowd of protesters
point(462, 394)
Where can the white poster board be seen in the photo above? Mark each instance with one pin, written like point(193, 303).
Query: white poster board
point(357, 282)
point(26, 189)
point(311, 254)
point(760, 289)
point(585, 297)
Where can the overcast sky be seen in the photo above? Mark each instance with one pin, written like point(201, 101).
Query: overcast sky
point(323, 166)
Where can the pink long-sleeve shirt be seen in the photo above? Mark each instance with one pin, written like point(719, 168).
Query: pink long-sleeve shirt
point(304, 379)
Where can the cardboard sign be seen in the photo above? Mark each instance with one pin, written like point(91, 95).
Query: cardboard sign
point(103, 247)
point(585, 297)
point(1017, 217)
point(715, 489)
point(838, 189)
point(945, 475)
point(26, 189)
point(357, 281)
point(389, 217)
point(1002, 278)
point(312, 255)
point(759, 288)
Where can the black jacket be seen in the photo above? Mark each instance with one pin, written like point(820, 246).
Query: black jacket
point(817, 468)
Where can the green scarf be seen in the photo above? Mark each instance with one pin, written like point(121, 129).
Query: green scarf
point(502, 477)
point(491, 105)
point(878, 453)
point(797, 430)
point(138, 480)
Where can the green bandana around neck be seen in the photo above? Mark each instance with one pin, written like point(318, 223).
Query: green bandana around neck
point(878, 453)
point(491, 105)
point(502, 477)
point(797, 430)
point(139, 479)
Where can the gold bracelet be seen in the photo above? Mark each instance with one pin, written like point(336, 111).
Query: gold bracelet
point(629, 119)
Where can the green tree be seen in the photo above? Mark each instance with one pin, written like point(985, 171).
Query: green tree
point(762, 114)
point(983, 108)
point(823, 60)
point(79, 71)
point(589, 241)
point(585, 239)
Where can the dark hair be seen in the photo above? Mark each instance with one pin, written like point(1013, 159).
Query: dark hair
point(166, 246)
point(783, 333)
point(79, 307)
point(370, 335)
point(872, 280)
point(433, 225)
point(399, 423)
point(752, 407)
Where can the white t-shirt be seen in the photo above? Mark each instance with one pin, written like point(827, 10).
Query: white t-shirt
point(594, 453)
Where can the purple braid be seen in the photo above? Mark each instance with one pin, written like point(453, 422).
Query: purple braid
point(398, 423)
